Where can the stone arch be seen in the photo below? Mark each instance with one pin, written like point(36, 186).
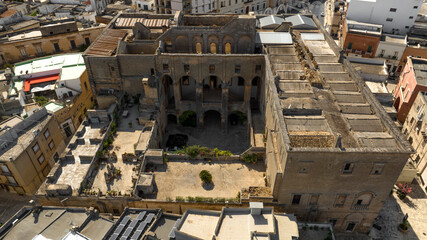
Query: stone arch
point(228, 42)
point(172, 119)
point(244, 44)
point(212, 117)
point(213, 39)
point(188, 87)
point(188, 119)
point(364, 198)
point(197, 44)
point(237, 88)
point(181, 44)
point(167, 82)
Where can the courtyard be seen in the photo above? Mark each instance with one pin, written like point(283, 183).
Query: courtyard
point(181, 178)
point(126, 136)
point(415, 205)
point(211, 136)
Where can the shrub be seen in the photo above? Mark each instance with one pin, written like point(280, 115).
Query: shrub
point(242, 117)
point(250, 158)
point(205, 176)
point(190, 199)
point(188, 119)
point(179, 199)
point(41, 100)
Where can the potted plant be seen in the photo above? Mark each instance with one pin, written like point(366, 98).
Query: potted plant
point(403, 190)
point(404, 226)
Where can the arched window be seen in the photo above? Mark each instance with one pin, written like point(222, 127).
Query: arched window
point(227, 48)
point(199, 48)
point(213, 48)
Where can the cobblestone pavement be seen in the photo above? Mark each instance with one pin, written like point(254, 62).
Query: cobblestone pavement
point(10, 203)
point(415, 205)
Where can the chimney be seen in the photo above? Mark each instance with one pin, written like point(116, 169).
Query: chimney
point(256, 208)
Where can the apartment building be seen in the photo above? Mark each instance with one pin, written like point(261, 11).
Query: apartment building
point(29, 149)
point(211, 6)
point(53, 38)
point(359, 38)
point(412, 80)
point(396, 16)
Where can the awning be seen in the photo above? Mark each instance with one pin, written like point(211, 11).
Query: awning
point(31, 81)
point(42, 89)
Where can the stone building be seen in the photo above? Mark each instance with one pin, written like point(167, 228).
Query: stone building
point(29, 149)
point(414, 128)
point(331, 151)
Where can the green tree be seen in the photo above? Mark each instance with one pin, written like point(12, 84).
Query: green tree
point(205, 176)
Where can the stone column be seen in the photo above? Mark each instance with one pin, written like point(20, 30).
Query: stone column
point(224, 107)
point(199, 103)
point(247, 96)
point(177, 93)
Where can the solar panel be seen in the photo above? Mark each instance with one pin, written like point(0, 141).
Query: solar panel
point(119, 229)
point(127, 233)
point(125, 220)
point(133, 223)
point(149, 218)
point(136, 235)
point(141, 215)
point(142, 226)
point(114, 236)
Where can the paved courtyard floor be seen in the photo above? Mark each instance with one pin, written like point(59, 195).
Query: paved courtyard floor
point(415, 205)
point(181, 178)
point(124, 141)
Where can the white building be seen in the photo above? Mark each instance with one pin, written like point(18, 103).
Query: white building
point(210, 6)
point(391, 48)
point(396, 16)
point(143, 5)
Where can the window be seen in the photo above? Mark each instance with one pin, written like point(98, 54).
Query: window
point(185, 80)
point(406, 27)
point(85, 83)
point(258, 68)
point(213, 48)
point(255, 81)
point(4, 168)
point(350, 45)
point(377, 169)
point(51, 145)
point(350, 227)
point(411, 17)
point(41, 159)
point(415, 7)
point(36, 148)
point(198, 48)
point(348, 168)
point(241, 82)
point(11, 180)
point(296, 199)
point(389, 19)
point(237, 68)
point(56, 157)
point(227, 48)
point(57, 48)
point(211, 68)
point(314, 199)
point(369, 49)
point(186, 67)
point(73, 44)
point(303, 169)
point(87, 40)
point(23, 52)
point(39, 49)
point(393, 9)
point(165, 67)
point(47, 134)
point(340, 200)
point(229, 2)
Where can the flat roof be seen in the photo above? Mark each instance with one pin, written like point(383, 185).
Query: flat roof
point(53, 107)
point(106, 44)
point(200, 224)
point(273, 38)
point(420, 69)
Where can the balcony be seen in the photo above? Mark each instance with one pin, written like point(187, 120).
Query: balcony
point(360, 207)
